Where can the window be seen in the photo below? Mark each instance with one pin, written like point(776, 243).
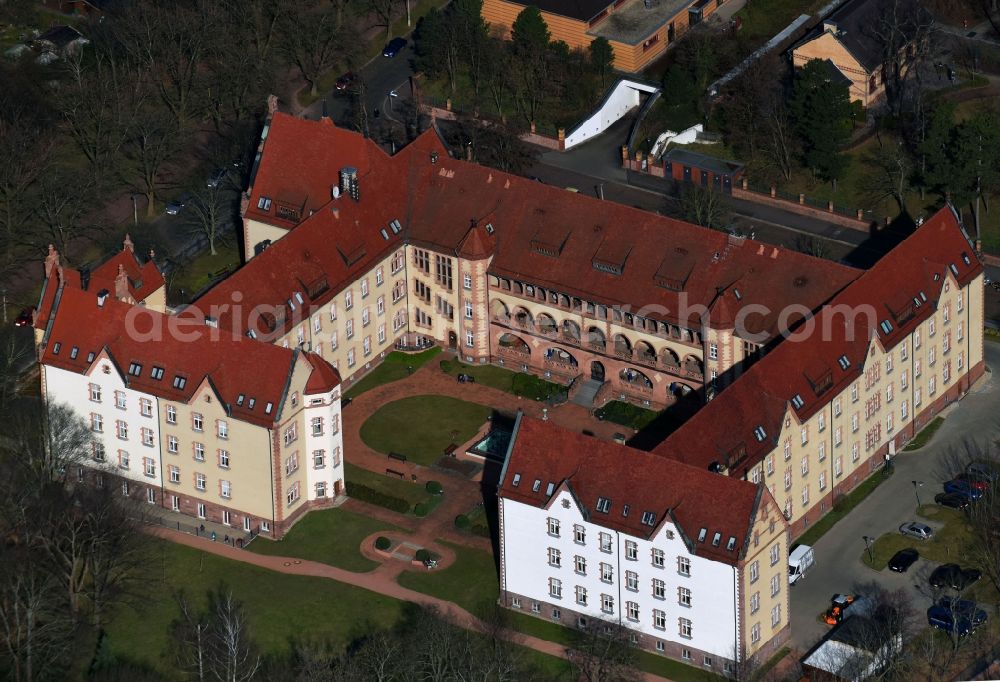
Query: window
point(821, 451)
point(659, 619)
point(770, 465)
point(95, 393)
point(775, 584)
point(350, 358)
point(822, 421)
point(788, 449)
point(555, 557)
point(147, 436)
point(855, 455)
point(755, 633)
point(805, 434)
point(120, 400)
point(96, 423)
point(197, 422)
point(822, 480)
point(631, 550)
point(123, 459)
point(775, 553)
point(754, 602)
point(224, 459)
point(293, 494)
point(175, 474)
point(172, 444)
point(854, 392)
point(553, 525)
point(580, 565)
point(146, 407)
point(366, 345)
point(805, 465)
point(467, 280)
point(292, 464)
point(579, 535)
point(603, 505)
point(581, 595)
point(555, 588)
point(607, 573)
point(319, 459)
point(364, 287)
point(713, 351)
point(684, 627)
point(683, 596)
point(836, 407)
point(317, 426)
point(171, 414)
point(605, 539)
point(348, 299)
point(199, 452)
point(632, 611)
point(291, 433)
point(903, 380)
point(683, 565)
point(754, 571)
point(931, 327)
point(199, 481)
point(349, 327)
point(98, 452)
point(226, 489)
point(222, 428)
point(470, 339)
point(607, 603)
point(916, 339)
point(776, 615)
point(632, 581)
point(838, 466)
point(788, 478)
point(122, 429)
point(854, 422)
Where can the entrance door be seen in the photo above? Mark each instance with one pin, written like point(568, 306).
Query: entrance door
point(727, 184)
point(452, 340)
point(596, 371)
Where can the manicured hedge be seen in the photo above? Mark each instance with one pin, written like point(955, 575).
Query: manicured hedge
point(434, 487)
point(366, 494)
point(462, 522)
point(421, 509)
point(422, 555)
point(382, 542)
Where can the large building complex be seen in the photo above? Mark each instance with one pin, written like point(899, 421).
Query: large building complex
point(812, 372)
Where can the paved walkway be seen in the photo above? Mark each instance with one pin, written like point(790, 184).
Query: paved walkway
point(373, 581)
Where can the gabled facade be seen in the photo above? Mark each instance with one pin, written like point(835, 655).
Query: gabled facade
point(595, 531)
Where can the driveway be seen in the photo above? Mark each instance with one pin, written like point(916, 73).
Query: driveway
point(838, 553)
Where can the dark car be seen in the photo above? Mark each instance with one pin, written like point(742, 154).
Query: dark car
point(964, 607)
point(949, 621)
point(345, 81)
point(25, 317)
point(466, 379)
point(393, 47)
point(953, 500)
point(963, 488)
point(903, 559)
point(975, 480)
point(984, 470)
point(954, 576)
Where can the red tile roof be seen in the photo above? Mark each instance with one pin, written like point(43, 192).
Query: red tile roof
point(241, 371)
point(142, 278)
point(902, 289)
point(323, 378)
point(694, 498)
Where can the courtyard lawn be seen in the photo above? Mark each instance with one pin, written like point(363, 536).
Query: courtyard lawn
point(279, 606)
point(841, 509)
point(627, 414)
point(925, 435)
point(422, 426)
point(949, 544)
point(200, 272)
point(330, 536)
point(413, 493)
point(519, 383)
point(471, 582)
point(394, 367)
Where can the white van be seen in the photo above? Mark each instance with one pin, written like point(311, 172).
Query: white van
point(800, 561)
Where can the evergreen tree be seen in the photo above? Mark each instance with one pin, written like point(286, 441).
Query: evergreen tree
point(822, 113)
point(602, 57)
point(530, 35)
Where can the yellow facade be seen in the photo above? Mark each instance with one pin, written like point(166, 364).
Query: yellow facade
point(764, 568)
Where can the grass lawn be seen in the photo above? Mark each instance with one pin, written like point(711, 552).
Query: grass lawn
point(645, 660)
point(949, 544)
point(925, 435)
point(197, 274)
point(279, 606)
point(519, 383)
point(422, 426)
point(841, 509)
point(627, 414)
point(762, 19)
point(411, 492)
point(330, 536)
point(470, 582)
point(393, 368)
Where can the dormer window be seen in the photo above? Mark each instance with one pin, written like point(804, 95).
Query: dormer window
point(298, 297)
point(251, 403)
point(737, 294)
point(625, 509)
point(536, 486)
point(603, 505)
point(73, 352)
point(90, 356)
point(549, 488)
point(954, 270)
point(264, 204)
point(180, 382)
point(239, 399)
point(134, 368)
point(268, 407)
point(701, 534)
point(843, 362)
point(648, 518)
point(797, 401)
point(760, 434)
point(156, 372)
point(517, 480)
point(716, 539)
point(56, 348)
point(923, 297)
point(966, 259)
point(886, 326)
point(731, 545)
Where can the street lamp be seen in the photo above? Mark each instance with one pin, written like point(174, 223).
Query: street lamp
point(916, 490)
point(868, 545)
point(135, 211)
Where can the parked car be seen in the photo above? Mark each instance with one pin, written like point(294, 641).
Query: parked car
point(393, 47)
point(949, 621)
point(954, 576)
point(345, 81)
point(903, 559)
point(174, 207)
point(975, 480)
point(963, 488)
point(25, 317)
point(964, 607)
point(953, 500)
point(466, 379)
point(984, 470)
point(917, 530)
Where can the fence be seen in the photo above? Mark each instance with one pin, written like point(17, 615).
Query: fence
point(858, 219)
point(230, 536)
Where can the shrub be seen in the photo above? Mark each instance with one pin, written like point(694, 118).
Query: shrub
point(434, 488)
point(366, 494)
point(840, 503)
point(421, 509)
point(382, 543)
point(422, 555)
point(462, 521)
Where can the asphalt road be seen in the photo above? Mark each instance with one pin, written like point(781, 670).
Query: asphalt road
point(839, 566)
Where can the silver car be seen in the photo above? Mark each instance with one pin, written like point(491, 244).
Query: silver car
point(917, 530)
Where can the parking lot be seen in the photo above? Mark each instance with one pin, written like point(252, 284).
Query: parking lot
point(839, 567)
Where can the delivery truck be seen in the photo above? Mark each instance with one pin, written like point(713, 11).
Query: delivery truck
point(800, 561)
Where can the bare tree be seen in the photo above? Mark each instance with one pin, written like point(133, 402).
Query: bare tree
point(497, 74)
point(384, 10)
point(904, 30)
point(602, 651)
point(890, 170)
point(377, 659)
point(779, 138)
point(190, 633)
point(153, 141)
point(313, 40)
point(704, 207)
point(61, 217)
point(210, 212)
point(812, 246)
point(232, 655)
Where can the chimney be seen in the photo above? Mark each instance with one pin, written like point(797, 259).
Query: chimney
point(127, 245)
point(121, 284)
point(434, 158)
point(84, 278)
point(152, 255)
point(51, 261)
point(102, 296)
point(272, 104)
point(831, 27)
point(325, 116)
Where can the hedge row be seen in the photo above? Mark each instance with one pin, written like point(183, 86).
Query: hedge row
point(366, 494)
